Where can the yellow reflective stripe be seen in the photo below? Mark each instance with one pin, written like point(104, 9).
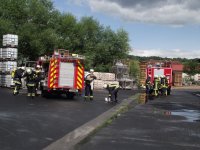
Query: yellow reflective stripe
point(52, 64)
point(79, 79)
point(30, 84)
point(55, 77)
point(79, 85)
point(52, 69)
point(51, 84)
point(17, 82)
point(55, 71)
point(80, 70)
point(80, 75)
point(51, 80)
point(52, 74)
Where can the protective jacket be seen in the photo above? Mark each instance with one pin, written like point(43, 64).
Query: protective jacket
point(17, 75)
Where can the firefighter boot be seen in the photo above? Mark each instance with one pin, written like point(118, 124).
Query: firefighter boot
point(91, 98)
point(15, 92)
point(33, 94)
point(85, 98)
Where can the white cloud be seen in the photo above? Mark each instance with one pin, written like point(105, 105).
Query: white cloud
point(168, 12)
point(176, 53)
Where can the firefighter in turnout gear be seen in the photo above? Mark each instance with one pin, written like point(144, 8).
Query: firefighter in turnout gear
point(148, 85)
point(38, 77)
point(164, 85)
point(156, 85)
point(89, 85)
point(31, 79)
point(112, 92)
point(17, 75)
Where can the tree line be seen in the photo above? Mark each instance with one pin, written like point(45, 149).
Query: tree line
point(42, 28)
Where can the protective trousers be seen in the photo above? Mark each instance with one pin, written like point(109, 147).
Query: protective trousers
point(17, 87)
point(113, 93)
point(31, 89)
point(164, 86)
point(156, 84)
point(148, 88)
point(88, 92)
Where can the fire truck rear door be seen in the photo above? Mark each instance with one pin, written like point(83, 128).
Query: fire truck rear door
point(66, 75)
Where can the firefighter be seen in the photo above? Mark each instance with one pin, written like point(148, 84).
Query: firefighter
point(38, 76)
point(17, 75)
point(148, 85)
point(156, 86)
point(112, 92)
point(164, 85)
point(89, 84)
point(31, 79)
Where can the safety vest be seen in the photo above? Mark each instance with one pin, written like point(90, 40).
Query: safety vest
point(113, 85)
point(13, 73)
point(156, 84)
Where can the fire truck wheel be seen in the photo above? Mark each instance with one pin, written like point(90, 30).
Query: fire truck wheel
point(168, 91)
point(70, 95)
point(45, 94)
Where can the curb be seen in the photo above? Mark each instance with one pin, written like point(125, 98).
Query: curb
point(70, 140)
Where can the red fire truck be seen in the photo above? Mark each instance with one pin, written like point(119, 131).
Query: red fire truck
point(160, 71)
point(63, 74)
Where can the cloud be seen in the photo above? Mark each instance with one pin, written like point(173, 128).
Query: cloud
point(176, 53)
point(167, 12)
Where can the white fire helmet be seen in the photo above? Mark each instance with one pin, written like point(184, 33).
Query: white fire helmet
point(29, 70)
point(23, 68)
point(91, 70)
point(38, 66)
point(105, 86)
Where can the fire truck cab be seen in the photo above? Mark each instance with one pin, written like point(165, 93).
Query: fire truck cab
point(63, 73)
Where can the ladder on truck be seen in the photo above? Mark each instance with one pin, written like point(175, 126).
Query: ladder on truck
point(62, 53)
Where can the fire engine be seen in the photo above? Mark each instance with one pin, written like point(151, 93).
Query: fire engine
point(63, 73)
point(160, 71)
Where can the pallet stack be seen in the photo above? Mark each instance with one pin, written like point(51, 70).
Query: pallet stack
point(104, 78)
point(8, 59)
point(143, 66)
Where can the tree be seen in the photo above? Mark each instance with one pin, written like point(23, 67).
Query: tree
point(134, 68)
point(191, 67)
point(41, 29)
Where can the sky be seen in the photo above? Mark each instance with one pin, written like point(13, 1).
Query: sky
point(165, 28)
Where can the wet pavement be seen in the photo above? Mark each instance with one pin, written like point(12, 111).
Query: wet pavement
point(165, 123)
point(32, 124)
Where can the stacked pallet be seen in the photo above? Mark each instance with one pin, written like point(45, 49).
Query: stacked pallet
point(8, 57)
point(143, 66)
point(103, 78)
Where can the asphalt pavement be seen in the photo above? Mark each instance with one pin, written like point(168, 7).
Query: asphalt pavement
point(165, 123)
point(32, 124)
